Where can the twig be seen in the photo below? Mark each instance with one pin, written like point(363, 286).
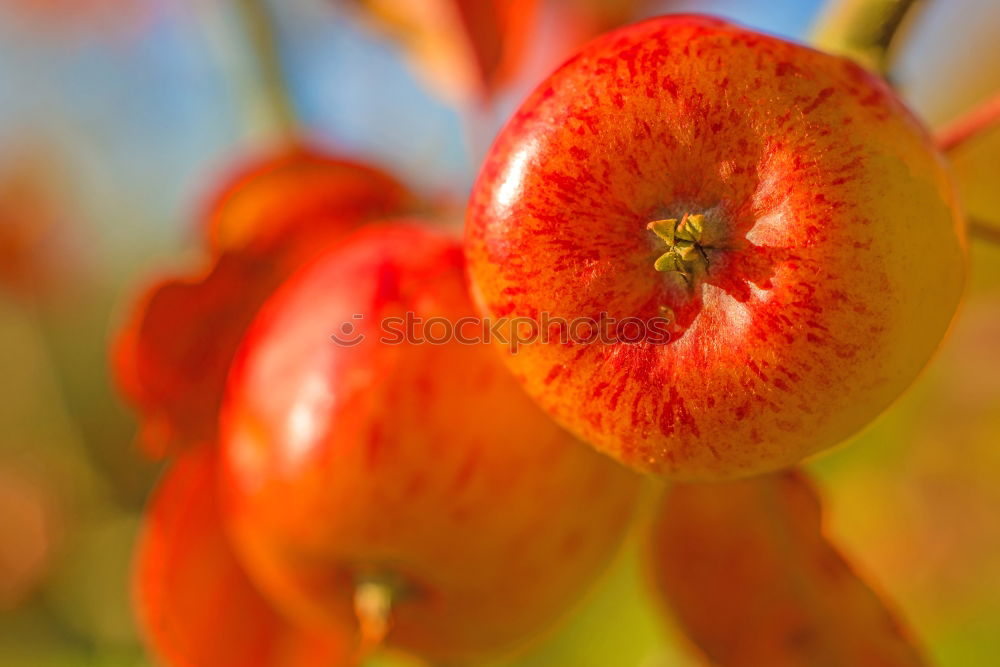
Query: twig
point(979, 229)
point(969, 125)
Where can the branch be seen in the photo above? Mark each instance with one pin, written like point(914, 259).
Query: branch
point(258, 24)
point(866, 30)
point(888, 31)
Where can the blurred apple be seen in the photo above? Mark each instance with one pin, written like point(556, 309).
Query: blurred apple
point(172, 354)
point(195, 603)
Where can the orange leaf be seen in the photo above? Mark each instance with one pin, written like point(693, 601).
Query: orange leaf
point(466, 49)
point(172, 355)
point(195, 603)
point(751, 579)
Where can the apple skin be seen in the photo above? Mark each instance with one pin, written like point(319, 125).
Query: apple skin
point(425, 465)
point(836, 261)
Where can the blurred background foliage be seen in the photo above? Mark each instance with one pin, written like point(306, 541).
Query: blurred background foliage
point(118, 117)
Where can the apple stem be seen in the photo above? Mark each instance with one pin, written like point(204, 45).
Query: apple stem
point(968, 126)
point(373, 598)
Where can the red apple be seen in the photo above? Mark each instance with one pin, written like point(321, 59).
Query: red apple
point(421, 470)
point(779, 206)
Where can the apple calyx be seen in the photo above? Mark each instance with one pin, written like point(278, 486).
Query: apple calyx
point(373, 600)
point(685, 255)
